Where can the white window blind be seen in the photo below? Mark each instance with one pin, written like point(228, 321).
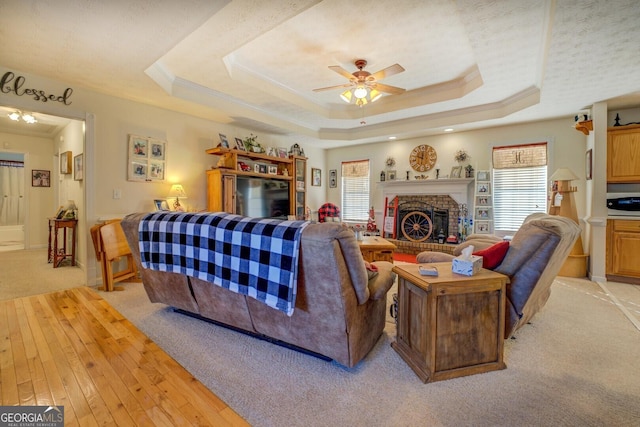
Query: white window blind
point(355, 190)
point(519, 184)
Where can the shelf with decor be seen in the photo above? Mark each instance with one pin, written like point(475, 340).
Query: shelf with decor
point(483, 203)
point(277, 173)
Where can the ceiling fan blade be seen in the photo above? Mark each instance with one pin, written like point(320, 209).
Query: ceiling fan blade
point(389, 89)
point(338, 69)
point(389, 71)
point(333, 87)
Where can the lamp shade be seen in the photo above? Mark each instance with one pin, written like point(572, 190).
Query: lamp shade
point(177, 191)
point(563, 174)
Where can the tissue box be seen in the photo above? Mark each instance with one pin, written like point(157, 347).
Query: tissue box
point(468, 267)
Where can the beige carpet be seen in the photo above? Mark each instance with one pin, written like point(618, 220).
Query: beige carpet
point(575, 365)
point(24, 273)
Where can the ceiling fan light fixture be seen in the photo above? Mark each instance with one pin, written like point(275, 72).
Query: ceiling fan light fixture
point(360, 92)
point(29, 118)
point(374, 95)
point(346, 96)
point(361, 102)
point(26, 117)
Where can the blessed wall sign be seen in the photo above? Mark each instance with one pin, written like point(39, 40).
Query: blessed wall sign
point(10, 83)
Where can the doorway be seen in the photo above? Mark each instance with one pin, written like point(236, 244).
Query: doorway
point(12, 201)
point(39, 146)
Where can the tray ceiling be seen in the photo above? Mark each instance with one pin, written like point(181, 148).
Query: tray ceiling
point(254, 64)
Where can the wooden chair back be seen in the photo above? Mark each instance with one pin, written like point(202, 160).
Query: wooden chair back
point(113, 245)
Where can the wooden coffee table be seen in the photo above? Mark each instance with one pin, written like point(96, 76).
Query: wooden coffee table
point(375, 248)
point(451, 325)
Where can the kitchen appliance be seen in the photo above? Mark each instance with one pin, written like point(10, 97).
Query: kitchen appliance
point(623, 204)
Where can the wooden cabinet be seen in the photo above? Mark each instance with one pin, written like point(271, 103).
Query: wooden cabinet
point(623, 154)
point(222, 180)
point(450, 325)
point(623, 247)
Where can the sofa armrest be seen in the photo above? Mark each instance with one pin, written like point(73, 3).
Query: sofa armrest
point(428, 256)
point(380, 284)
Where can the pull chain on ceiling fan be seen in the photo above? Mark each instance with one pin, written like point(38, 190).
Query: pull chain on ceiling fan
point(363, 87)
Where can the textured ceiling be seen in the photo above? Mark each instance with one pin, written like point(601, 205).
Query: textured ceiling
point(252, 63)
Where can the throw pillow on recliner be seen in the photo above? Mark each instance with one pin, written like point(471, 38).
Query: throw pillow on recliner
point(493, 255)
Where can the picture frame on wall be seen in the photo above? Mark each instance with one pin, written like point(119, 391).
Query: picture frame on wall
point(483, 227)
point(483, 213)
point(483, 176)
point(65, 162)
point(483, 188)
point(78, 167)
point(40, 178)
point(483, 201)
point(147, 159)
point(316, 177)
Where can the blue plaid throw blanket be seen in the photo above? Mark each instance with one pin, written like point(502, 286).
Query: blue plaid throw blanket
point(249, 256)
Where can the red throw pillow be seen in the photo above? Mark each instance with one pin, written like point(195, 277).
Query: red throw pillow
point(493, 255)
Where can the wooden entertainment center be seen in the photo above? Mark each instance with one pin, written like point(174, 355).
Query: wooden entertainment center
point(222, 181)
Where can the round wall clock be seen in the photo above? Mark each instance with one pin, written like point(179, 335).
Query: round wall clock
point(423, 158)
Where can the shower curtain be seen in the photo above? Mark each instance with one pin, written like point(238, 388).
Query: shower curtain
point(11, 192)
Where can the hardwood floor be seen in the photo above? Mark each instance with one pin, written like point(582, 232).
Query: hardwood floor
point(72, 348)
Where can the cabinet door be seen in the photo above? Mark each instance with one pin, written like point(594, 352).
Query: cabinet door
point(229, 194)
point(623, 155)
point(626, 247)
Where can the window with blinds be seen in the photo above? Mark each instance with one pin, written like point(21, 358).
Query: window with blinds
point(355, 190)
point(519, 184)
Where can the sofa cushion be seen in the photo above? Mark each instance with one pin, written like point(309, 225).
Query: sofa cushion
point(493, 255)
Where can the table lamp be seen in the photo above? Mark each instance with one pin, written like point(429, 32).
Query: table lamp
point(178, 192)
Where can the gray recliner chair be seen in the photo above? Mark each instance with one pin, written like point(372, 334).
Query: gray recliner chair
point(536, 253)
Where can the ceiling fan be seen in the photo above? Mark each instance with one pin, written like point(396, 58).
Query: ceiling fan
point(364, 85)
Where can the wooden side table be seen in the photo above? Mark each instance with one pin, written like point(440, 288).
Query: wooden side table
point(451, 325)
point(375, 248)
point(57, 254)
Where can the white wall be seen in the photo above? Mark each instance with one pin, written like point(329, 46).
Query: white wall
point(567, 148)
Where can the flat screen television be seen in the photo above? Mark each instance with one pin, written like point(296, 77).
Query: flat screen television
point(262, 197)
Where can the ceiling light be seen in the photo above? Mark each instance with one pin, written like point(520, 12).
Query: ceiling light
point(360, 95)
point(360, 92)
point(392, 137)
point(448, 130)
point(26, 117)
point(29, 118)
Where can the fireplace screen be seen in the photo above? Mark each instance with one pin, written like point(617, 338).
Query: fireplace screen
point(419, 222)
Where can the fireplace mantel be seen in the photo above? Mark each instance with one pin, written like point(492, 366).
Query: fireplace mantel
point(460, 189)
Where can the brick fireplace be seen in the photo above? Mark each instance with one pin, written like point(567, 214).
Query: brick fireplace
point(441, 200)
